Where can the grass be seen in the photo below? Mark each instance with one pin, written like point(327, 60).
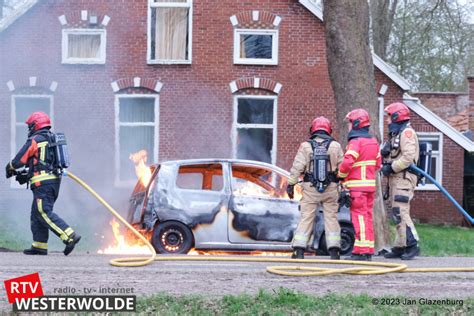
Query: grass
point(443, 241)
point(10, 239)
point(289, 302)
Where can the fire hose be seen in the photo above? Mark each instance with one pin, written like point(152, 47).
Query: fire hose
point(363, 268)
point(415, 169)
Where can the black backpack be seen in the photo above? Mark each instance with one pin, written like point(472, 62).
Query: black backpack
point(320, 170)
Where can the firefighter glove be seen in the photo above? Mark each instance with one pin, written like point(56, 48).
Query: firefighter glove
point(387, 170)
point(344, 199)
point(22, 178)
point(290, 190)
point(386, 148)
point(9, 170)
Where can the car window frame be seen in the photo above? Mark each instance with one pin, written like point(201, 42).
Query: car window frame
point(221, 191)
point(261, 167)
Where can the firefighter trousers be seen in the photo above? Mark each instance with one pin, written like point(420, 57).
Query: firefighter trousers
point(44, 219)
point(401, 193)
point(309, 204)
point(362, 204)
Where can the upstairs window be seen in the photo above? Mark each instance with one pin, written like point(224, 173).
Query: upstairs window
point(256, 47)
point(83, 46)
point(169, 31)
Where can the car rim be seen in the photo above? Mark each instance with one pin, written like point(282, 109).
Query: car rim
point(172, 239)
point(345, 243)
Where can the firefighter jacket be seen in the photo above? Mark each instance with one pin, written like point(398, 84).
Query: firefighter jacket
point(35, 155)
point(304, 158)
point(404, 151)
point(361, 162)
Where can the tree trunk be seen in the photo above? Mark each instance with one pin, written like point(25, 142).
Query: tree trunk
point(351, 71)
point(382, 14)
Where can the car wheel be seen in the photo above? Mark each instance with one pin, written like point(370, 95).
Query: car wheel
point(347, 240)
point(172, 238)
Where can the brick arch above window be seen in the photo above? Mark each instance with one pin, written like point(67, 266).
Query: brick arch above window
point(136, 82)
point(32, 83)
point(255, 19)
point(256, 83)
point(84, 19)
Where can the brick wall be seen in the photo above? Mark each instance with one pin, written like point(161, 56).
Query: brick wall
point(433, 206)
point(444, 104)
point(195, 102)
point(471, 102)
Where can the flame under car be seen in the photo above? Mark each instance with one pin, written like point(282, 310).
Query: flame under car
point(223, 204)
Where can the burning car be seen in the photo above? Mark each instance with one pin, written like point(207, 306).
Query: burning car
point(222, 204)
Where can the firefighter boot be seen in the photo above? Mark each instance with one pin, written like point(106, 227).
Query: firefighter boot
point(396, 252)
point(298, 253)
point(411, 252)
point(35, 251)
point(71, 243)
point(334, 253)
point(360, 257)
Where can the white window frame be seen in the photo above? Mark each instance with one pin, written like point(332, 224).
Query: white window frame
point(430, 136)
point(273, 126)
point(14, 124)
point(90, 61)
point(255, 61)
point(153, 5)
point(118, 124)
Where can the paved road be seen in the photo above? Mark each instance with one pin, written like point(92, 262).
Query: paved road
point(61, 274)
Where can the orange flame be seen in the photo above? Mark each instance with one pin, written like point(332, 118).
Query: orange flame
point(122, 246)
point(142, 171)
point(252, 189)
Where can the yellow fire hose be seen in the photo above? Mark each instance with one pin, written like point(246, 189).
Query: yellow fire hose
point(363, 268)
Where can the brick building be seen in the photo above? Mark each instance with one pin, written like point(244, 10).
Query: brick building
point(458, 109)
point(241, 79)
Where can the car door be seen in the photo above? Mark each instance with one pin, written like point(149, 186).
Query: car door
point(259, 209)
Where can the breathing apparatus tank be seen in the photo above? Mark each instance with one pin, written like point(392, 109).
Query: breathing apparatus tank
point(320, 172)
point(59, 149)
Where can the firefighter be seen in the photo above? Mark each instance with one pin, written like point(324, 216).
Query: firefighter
point(401, 150)
point(358, 171)
point(317, 191)
point(37, 155)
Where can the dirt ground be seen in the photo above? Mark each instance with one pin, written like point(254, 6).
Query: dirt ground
point(82, 271)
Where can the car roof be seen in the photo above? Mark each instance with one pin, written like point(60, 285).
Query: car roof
point(217, 160)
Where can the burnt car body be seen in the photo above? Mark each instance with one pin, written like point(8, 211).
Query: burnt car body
point(222, 204)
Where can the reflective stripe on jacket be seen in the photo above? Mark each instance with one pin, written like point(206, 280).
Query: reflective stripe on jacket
point(34, 155)
point(361, 162)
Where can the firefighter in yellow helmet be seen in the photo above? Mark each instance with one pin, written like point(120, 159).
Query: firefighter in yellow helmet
point(401, 150)
point(317, 161)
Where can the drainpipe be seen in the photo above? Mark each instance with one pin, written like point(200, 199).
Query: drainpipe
point(382, 91)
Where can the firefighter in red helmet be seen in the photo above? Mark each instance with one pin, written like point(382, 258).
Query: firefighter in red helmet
point(45, 182)
point(358, 171)
point(317, 161)
point(401, 150)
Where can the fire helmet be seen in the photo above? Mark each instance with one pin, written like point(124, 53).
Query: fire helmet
point(359, 118)
point(398, 112)
point(37, 121)
point(321, 124)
